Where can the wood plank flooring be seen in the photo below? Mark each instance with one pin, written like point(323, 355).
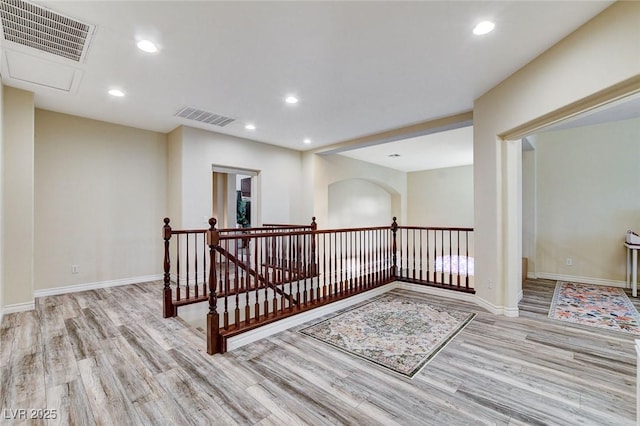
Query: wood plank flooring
point(108, 357)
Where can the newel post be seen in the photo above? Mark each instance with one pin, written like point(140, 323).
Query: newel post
point(167, 304)
point(394, 249)
point(213, 318)
point(314, 227)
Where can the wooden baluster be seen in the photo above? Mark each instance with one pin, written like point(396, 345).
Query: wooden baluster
point(458, 248)
point(291, 271)
point(167, 300)
point(178, 267)
point(236, 282)
point(314, 227)
point(450, 261)
point(324, 268)
point(195, 257)
point(258, 253)
point(394, 256)
point(467, 254)
point(226, 286)
point(353, 283)
point(247, 280)
point(268, 278)
point(279, 276)
point(361, 265)
point(442, 255)
point(213, 319)
point(428, 259)
point(421, 264)
point(204, 263)
point(188, 266)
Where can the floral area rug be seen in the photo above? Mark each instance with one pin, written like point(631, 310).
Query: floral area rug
point(399, 333)
point(594, 305)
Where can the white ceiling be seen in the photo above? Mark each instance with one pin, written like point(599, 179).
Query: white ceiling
point(357, 67)
point(435, 151)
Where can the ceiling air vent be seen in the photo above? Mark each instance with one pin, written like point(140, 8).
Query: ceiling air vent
point(191, 113)
point(40, 28)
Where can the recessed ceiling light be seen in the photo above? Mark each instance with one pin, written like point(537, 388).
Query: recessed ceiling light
point(116, 92)
point(291, 100)
point(147, 46)
point(307, 141)
point(484, 27)
point(250, 127)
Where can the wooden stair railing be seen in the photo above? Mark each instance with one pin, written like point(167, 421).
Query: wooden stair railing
point(267, 274)
point(254, 274)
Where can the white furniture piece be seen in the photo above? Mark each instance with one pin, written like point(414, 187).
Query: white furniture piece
point(632, 267)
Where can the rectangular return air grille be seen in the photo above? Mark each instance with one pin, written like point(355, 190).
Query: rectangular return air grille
point(40, 28)
point(191, 113)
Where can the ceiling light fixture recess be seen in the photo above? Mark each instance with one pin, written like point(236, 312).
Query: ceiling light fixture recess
point(116, 92)
point(291, 99)
point(484, 27)
point(307, 141)
point(250, 127)
point(147, 46)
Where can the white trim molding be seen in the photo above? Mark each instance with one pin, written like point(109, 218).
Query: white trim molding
point(19, 307)
point(96, 285)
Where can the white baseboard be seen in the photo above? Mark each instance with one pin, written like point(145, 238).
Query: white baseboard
point(295, 320)
point(456, 295)
point(585, 280)
point(19, 307)
point(532, 275)
point(96, 285)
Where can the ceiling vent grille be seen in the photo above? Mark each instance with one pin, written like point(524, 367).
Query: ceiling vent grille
point(34, 26)
point(202, 116)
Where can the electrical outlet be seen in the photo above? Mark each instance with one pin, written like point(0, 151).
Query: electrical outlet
point(490, 284)
point(74, 269)
point(569, 261)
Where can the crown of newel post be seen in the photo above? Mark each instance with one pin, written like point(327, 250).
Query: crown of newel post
point(314, 225)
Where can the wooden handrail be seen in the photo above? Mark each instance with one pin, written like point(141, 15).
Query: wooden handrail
point(264, 274)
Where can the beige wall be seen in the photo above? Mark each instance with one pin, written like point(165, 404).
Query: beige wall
point(529, 208)
point(100, 199)
point(588, 196)
point(329, 169)
point(441, 197)
point(279, 180)
point(358, 203)
point(174, 177)
point(1, 204)
point(18, 202)
point(603, 52)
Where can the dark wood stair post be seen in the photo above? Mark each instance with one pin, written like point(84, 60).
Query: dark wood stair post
point(213, 318)
point(394, 249)
point(168, 309)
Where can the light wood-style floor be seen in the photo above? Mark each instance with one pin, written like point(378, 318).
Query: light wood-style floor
point(108, 357)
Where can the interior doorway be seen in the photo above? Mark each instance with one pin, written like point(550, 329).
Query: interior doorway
point(235, 197)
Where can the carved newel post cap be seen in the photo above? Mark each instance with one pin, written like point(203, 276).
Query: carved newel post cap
point(166, 220)
point(212, 222)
